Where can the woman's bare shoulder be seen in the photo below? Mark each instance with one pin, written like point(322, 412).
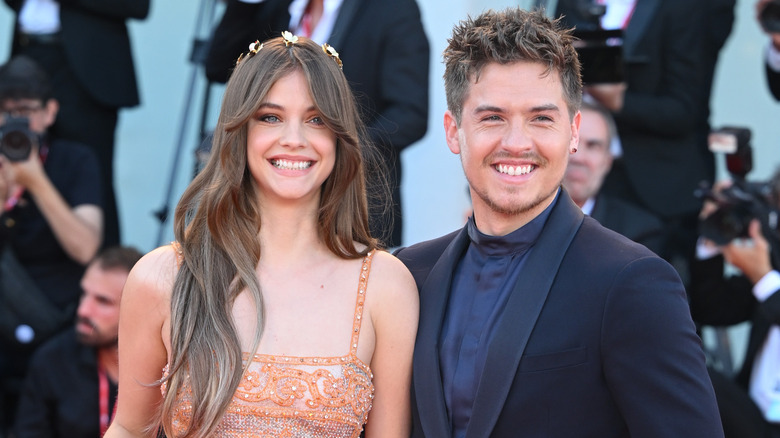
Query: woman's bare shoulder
point(392, 281)
point(153, 275)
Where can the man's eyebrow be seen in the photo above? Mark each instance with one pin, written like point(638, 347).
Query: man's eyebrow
point(545, 107)
point(488, 108)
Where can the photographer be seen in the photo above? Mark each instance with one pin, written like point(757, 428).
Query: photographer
point(51, 219)
point(750, 402)
point(768, 15)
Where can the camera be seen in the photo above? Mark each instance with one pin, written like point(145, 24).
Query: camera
point(601, 55)
point(600, 50)
point(770, 16)
point(16, 139)
point(743, 201)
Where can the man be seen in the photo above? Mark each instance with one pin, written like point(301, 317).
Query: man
point(85, 49)
point(51, 220)
point(535, 320)
point(71, 383)
point(585, 174)
point(768, 15)
point(386, 56)
point(750, 402)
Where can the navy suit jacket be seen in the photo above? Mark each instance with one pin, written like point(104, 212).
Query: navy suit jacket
point(634, 222)
point(596, 340)
point(386, 59)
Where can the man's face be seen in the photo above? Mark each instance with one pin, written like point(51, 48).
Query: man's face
point(97, 318)
point(40, 114)
point(514, 138)
point(588, 167)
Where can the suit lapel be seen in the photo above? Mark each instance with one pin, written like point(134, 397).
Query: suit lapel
point(520, 315)
point(644, 13)
point(434, 296)
point(341, 27)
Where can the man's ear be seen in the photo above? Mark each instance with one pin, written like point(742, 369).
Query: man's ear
point(451, 132)
point(575, 131)
point(52, 107)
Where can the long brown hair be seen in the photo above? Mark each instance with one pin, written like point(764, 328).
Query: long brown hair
point(217, 224)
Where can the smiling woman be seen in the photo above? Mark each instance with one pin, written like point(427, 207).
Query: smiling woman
point(290, 149)
point(274, 313)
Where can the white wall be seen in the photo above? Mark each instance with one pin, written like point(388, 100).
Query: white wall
point(434, 189)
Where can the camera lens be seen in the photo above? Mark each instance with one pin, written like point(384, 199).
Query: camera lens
point(16, 145)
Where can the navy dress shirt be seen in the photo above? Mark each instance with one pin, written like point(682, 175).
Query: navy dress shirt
point(481, 285)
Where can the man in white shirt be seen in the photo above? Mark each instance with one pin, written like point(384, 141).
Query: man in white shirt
point(750, 403)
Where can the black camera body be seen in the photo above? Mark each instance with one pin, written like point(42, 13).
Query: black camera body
point(769, 17)
point(16, 139)
point(743, 201)
point(738, 205)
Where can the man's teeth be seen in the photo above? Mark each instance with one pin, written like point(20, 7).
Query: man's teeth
point(291, 165)
point(514, 170)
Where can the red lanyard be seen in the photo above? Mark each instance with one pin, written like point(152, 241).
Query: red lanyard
point(105, 419)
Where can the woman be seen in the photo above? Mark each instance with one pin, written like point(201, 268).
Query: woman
point(267, 312)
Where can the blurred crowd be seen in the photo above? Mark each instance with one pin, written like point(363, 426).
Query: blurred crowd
point(644, 167)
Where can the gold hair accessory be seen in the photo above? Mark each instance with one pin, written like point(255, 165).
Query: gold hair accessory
point(289, 38)
point(253, 49)
point(330, 51)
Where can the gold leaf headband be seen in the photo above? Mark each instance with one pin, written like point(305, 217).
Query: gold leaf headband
point(253, 49)
point(289, 38)
point(330, 51)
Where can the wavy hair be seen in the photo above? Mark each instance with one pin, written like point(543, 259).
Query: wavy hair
point(505, 37)
point(217, 223)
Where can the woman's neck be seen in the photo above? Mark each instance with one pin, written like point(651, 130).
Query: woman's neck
point(288, 232)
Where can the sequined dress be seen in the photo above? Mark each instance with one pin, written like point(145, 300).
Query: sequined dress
point(290, 396)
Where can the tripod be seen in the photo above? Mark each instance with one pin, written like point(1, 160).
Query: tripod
point(200, 47)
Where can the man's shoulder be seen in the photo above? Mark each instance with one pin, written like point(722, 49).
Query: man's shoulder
point(425, 251)
point(63, 344)
point(421, 257)
point(600, 240)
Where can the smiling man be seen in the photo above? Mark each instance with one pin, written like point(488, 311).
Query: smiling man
point(70, 386)
point(536, 321)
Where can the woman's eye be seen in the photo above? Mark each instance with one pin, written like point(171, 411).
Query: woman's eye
point(268, 118)
point(317, 120)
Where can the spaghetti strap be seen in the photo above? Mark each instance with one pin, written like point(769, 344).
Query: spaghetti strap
point(179, 253)
point(361, 298)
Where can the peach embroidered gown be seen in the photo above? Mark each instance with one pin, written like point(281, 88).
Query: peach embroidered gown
point(287, 396)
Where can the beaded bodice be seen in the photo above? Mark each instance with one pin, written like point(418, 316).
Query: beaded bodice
point(287, 396)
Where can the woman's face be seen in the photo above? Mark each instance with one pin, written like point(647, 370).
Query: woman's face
point(290, 150)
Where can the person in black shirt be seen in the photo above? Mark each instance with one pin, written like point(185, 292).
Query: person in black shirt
point(70, 387)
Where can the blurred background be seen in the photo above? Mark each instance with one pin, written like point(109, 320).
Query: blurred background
point(156, 141)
